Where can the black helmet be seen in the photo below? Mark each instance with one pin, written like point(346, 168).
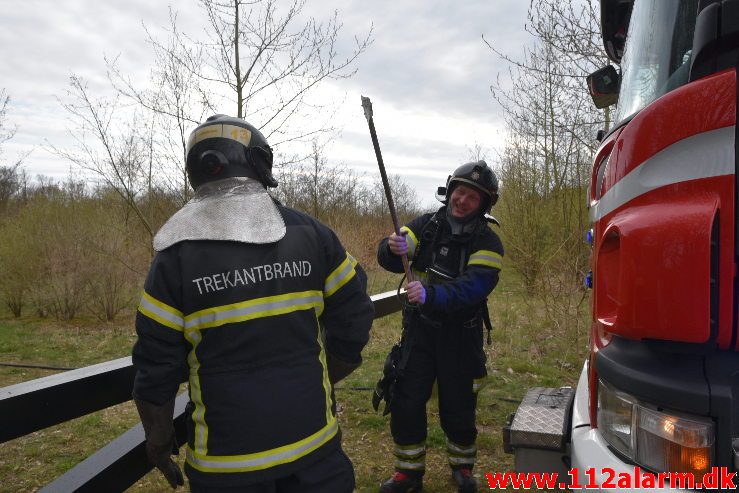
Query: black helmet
point(224, 147)
point(478, 175)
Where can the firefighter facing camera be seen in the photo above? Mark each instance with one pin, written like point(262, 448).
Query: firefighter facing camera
point(455, 260)
point(262, 310)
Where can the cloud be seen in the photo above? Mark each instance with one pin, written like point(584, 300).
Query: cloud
point(428, 73)
point(431, 53)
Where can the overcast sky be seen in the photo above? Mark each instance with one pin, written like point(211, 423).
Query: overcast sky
point(427, 72)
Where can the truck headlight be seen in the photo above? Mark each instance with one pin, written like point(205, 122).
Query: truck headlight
point(616, 418)
point(657, 440)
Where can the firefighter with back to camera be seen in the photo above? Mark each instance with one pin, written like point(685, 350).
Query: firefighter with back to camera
point(262, 310)
point(455, 260)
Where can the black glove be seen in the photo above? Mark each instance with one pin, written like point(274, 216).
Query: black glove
point(160, 444)
point(385, 388)
point(338, 369)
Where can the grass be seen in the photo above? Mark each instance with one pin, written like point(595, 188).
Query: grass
point(526, 352)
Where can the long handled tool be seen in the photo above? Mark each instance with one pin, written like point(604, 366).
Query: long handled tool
point(396, 360)
point(367, 105)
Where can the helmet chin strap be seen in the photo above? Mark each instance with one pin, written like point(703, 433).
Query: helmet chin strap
point(260, 168)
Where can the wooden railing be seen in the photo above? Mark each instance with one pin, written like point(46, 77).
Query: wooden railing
point(37, 404)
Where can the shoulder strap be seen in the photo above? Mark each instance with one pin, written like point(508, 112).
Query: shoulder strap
point(428, 234)
point(485, 311)
point(467, 251)
point(486, 320)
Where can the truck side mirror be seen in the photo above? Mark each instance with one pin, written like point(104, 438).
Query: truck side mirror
point(603, 85)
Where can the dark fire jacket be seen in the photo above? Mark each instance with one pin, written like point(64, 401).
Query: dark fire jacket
point(472, 262)
point(249, 327)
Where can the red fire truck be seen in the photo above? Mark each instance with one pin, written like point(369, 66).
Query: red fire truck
point(660, 389)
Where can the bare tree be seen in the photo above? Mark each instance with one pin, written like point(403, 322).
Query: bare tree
point(175, 97)
point(6, 132)
point(259, 58)
point(18, 259)
point(12, 177)
point(113, 144)
point(570, 33)
point(321, 189)
point(551, 125)
point(269, 59)
point(545, 163)
point(477, 152)
point(404, 198)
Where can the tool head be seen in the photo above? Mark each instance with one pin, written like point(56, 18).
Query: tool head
point(367, 105)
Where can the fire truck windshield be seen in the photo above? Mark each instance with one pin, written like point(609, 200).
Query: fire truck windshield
point(658, 51)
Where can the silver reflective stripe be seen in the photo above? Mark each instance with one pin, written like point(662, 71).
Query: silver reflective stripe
point(410, 452)
point(338, 278)
point(704, 155)
point(215, 318)
point(491, 259)
point(409, 465)
point(263, 460)
point(410, 456)
point(159, 312)
point(459, 450)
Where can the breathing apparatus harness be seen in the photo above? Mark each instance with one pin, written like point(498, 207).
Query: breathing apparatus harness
point(436, 274)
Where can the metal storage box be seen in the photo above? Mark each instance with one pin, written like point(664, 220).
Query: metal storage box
point(538, 433)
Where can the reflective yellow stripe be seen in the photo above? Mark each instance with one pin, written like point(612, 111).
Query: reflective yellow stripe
point(409, 451)
point(458, 450)
point(410, 456)
point(160, 312)
point(340, 276)
point(486, 258)
point(256, 308)
point(419, 275)
point(196, 395)
point(263, 460)
point(217, 316)
point(459, 455)
point(411, 240)
point(225, 131)
point(326, 381)
point(413, 466)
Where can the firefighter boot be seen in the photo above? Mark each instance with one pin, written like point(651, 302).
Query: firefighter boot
point(402, 483)
point(466, 482)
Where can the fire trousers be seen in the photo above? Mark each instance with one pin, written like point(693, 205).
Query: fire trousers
point(453, 356)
